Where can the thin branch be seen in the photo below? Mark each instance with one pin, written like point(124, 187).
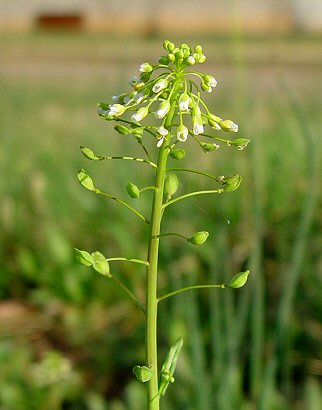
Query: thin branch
point(129, 293)
point(120, 201)
point(176, 292)
point(195, 172)
point(179, 198)
point(101, 158)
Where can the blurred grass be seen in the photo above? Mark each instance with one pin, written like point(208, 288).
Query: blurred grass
point(50, 85)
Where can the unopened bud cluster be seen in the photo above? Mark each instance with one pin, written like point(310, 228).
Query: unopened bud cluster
point(170, 88)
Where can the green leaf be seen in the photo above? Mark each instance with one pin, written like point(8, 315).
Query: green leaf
point(169, 366)
point(85, 180)
point(238, 280)
point(89, 154)
point(100, 264)
point(83, 257)
point(142, 373)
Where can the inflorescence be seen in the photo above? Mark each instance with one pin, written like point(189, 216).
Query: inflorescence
point(169, 87)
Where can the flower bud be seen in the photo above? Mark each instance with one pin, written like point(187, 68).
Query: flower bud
point(146, 68)
point(137, 132)
point(182, 133)
point(178, 153)
point(191, 60)
point(232, 183)
point(116, 110)
point(199, 238)
point(184, 102)
point(198, 49)
point(121, 129)
point(83, 257)
point(133, 190)
point(228, 125)
point(160, 85)
point(210, 80)
point(140, 114)
point(163, 60)
point(196, 56)
point(209, 147)
point(213, 121)
point(163, 109)
point(165, 44)
point(238, 280)
point(85, 180)
point(240, 143)
point(171, 184)
point(100, 264)
point(205, 87)
point(171, 57)
point(202, 59)
point(171, 47)
point(179, 55)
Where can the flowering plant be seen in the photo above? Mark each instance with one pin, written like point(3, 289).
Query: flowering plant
point(171, 91)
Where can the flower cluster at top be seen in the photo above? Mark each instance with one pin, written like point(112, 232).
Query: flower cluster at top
point(172, 93)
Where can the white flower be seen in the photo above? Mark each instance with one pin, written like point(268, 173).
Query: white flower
point(163, 109)
point(116, 109)
point(197, 125)
point(162, 131)
point(212, 82)
point(160, 85)
point(140, 114)
point(146, 68)
point(182, 133)
point(197, 121)
point(228, 125)
point(184, 102)
point(162, 134)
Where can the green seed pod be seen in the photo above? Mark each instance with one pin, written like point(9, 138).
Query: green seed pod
point(178, 153)
point(100, 264)
point(232, 183)
point(171, 184)
point(85, 180)
point(238, 280)
point(142, 373)
point(89, 154)
point(133, 190)
point(121, 129)
point(199, 238)
point(83, 257)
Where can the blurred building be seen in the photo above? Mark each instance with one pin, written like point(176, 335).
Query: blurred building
point(170, 16)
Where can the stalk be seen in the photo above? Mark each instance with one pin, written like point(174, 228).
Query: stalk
point(151, 350)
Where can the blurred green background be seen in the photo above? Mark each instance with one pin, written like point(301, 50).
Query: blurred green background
point(68, 338)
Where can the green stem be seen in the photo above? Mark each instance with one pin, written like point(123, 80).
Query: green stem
point(194, 172)
point(176, 292)
point(153, 398)
point(128, 260)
